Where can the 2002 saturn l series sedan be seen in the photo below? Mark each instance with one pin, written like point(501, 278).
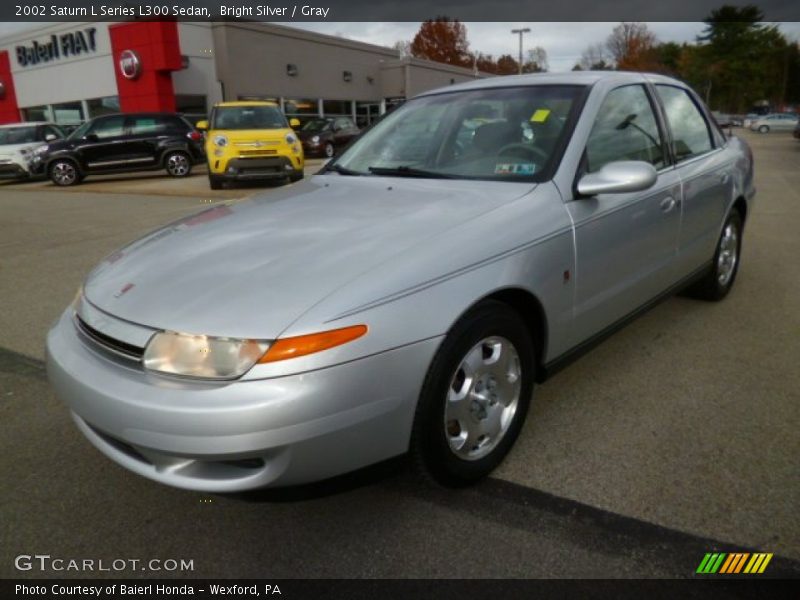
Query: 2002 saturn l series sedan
point(408, 296)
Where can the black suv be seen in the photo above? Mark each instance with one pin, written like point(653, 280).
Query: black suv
point(125, 142)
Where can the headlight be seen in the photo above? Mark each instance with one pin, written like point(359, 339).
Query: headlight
point(202, 356)
point(315, 139)
point(41, 150)
point(290, 139)
point(220, 140)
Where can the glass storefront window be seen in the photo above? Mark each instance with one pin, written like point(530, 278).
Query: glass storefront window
point(68, 113)
point(103, 106)
point(337, 108)
point(35, 113)
point(190, 104)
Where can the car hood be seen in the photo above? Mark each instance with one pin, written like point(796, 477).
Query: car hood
point(250, 269)
point(15, 150)
point(306, 135)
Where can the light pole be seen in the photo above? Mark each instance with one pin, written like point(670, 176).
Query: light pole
point(520, 32)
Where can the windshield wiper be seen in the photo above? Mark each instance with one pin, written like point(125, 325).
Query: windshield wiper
point(406, 171)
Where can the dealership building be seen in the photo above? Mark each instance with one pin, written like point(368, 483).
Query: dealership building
point(71, 72)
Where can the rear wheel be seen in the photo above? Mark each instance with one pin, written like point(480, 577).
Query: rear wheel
point(716, 284)
point(64, 172)
point(475, 396)
point(178, 164)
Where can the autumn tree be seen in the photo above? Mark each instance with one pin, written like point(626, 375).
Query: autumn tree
point(631, 46)
point(536, 61)
point(444, 41)
point(506, 65)
point(594, 57)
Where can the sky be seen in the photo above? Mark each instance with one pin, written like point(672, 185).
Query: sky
point(563, 42)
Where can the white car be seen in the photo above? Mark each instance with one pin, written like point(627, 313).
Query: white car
point(22, 146)
point(774, 122)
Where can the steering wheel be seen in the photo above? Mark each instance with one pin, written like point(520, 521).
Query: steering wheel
point(532, 151)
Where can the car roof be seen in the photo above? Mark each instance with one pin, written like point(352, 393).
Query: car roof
point(570, 78)
point(246, 103)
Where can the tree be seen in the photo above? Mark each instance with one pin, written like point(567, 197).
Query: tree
point(594, 58)
point(506, 65)
point(403, 48)
point(444, 41)
point(536, 62)
point(631, 46)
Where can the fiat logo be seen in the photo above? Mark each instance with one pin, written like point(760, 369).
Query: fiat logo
point(129, 64)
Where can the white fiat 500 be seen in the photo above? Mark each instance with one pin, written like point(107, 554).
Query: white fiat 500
point(409, 295)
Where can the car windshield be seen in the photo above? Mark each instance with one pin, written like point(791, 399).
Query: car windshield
point(507, 134)
point(248, 117)
point(316, 125)
point(17, 135)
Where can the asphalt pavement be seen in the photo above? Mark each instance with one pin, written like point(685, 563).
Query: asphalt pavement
point(675, 437)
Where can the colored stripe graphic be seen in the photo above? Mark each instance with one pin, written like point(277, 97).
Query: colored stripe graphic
point(734, 563)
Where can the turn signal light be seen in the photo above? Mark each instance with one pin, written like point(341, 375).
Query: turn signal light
point(303, 345)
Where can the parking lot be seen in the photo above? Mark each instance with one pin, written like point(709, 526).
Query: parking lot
point(675, 437)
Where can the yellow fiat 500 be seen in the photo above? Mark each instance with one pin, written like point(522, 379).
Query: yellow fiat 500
point(248, 141)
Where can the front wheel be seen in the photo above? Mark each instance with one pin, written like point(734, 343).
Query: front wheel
point(64, 172)
point(475, 396)
point(178, 164)
point(329, 150)
point(215, 182)
point(763, 129)
point(716, 284)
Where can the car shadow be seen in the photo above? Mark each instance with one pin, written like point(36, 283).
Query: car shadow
point(391, 470)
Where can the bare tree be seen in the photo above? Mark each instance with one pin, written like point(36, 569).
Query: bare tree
point(403, 48)
point(537, 61)
point(595, 58)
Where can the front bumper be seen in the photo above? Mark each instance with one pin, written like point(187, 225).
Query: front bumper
point(234, 436)
point(244, 169)
point(13, 171)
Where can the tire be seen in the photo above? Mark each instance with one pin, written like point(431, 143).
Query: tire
point(295, 177)
point(763, 129)
point(467, 418)
point(178, 164)
point(64, 172)
point(214, 182)
point(718, 281)
point(329, 150)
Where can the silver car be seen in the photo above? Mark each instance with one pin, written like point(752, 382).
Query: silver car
point(774, 122)
point(408, 296)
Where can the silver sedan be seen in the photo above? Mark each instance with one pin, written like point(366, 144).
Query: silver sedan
point(408, 296)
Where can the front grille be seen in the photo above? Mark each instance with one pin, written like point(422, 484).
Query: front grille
point(107, 342)
point(248, 153)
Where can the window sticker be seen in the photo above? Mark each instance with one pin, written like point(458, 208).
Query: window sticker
point(540, 116)
point(515, 169)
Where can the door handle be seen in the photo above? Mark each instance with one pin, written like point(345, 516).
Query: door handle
point(723, 178)
point(667, 204)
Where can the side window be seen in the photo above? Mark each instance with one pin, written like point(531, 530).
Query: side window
point(691, 135)
point(342, 124)
point(48, 130)
point(147, 126)
point(108, 128)
point(625, 129)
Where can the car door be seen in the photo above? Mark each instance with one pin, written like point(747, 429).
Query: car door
point(102, 147)
point(146, 135)
point(625, 243)
point(705, 167)
point(344, 130)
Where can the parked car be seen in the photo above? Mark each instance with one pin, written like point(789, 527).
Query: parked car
point(125, 142)
point(774, 122)
point(22, 146)
point(797, 131)
point(749, 118)
point(323, 136)
point(251, 140)
point(723, 119)
point(408, 296)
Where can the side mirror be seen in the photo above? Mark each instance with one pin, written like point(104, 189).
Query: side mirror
point(50, 137)
point(618, 178)
point(202, 126)
point(294, 123)
point(91, 137)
